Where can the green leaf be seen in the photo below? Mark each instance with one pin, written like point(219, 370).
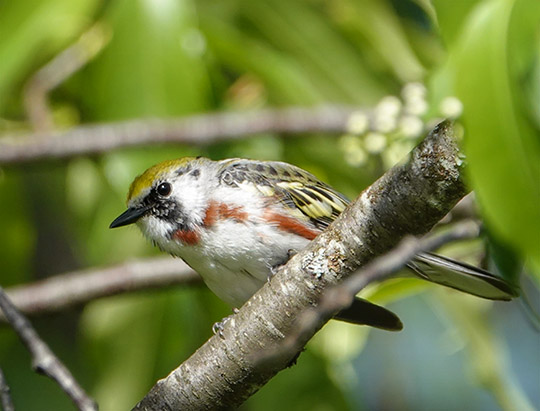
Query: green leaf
point(32, 31)
point(153, 65)
point(501, 145)
point(283, 77)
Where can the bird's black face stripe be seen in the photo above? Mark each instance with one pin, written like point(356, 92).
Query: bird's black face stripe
point(166, 209)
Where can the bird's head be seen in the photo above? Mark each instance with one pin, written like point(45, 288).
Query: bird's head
point(168, 197)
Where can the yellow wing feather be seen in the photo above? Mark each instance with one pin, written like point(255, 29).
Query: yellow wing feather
point(300, 192)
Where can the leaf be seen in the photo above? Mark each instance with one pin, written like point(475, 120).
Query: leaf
point(501, 145)
point(152, 66)
point(31, 32)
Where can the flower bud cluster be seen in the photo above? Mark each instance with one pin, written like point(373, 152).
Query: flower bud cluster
point(390, 130)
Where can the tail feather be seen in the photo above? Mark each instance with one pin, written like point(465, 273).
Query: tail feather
point(461, 276)
point(363, 312)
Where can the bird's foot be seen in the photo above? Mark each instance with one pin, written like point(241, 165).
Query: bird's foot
point(218, 327)
point(274, 269)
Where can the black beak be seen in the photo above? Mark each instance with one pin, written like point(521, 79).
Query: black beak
point(129, 216)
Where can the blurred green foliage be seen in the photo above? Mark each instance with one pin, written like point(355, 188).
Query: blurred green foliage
point(164, 58)
point(509, 163)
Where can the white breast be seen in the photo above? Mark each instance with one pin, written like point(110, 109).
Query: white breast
point(235, 258)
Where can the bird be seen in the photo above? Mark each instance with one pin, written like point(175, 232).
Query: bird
point(235, 221)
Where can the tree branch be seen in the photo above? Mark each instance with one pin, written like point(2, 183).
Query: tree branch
point(407, 200)
point(79, 287)
point(198, 129)
point(5, 395)
point(56, 71)
point(43, 359)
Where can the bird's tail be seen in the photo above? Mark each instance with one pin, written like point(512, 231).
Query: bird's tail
point(461, 276)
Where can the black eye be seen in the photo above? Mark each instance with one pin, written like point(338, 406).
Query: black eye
point(164, 189)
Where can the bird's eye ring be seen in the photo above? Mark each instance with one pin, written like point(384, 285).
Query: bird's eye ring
point(164, 189)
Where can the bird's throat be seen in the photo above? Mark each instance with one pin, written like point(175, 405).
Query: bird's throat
point(188, 237)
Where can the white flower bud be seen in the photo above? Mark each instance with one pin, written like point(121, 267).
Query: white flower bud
point(358, 123)
point(375, 142)
point(451, 107)
point(411, 126)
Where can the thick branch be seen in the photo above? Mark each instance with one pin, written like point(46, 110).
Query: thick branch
point(408, 199)
point(76, 288)
point(199, 129)
point(43, 359)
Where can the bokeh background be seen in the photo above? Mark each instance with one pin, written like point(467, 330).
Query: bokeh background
point(412, 61)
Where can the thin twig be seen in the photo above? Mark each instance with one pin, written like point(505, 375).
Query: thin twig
point(384, 266)
point(56, 71)
point(79, 287)
point(198, 129)
point(5, 395)
point(43, 359)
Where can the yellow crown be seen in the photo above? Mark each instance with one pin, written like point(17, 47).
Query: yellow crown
point(144, 181)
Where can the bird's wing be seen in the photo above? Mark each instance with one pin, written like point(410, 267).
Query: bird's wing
point(301, 193)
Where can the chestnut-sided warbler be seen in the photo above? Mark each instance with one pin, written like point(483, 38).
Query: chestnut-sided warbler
point(234, 221)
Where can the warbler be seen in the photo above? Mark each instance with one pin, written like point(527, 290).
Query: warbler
point(235, 221)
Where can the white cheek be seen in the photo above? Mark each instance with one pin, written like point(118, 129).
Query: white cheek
point(192, 197)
